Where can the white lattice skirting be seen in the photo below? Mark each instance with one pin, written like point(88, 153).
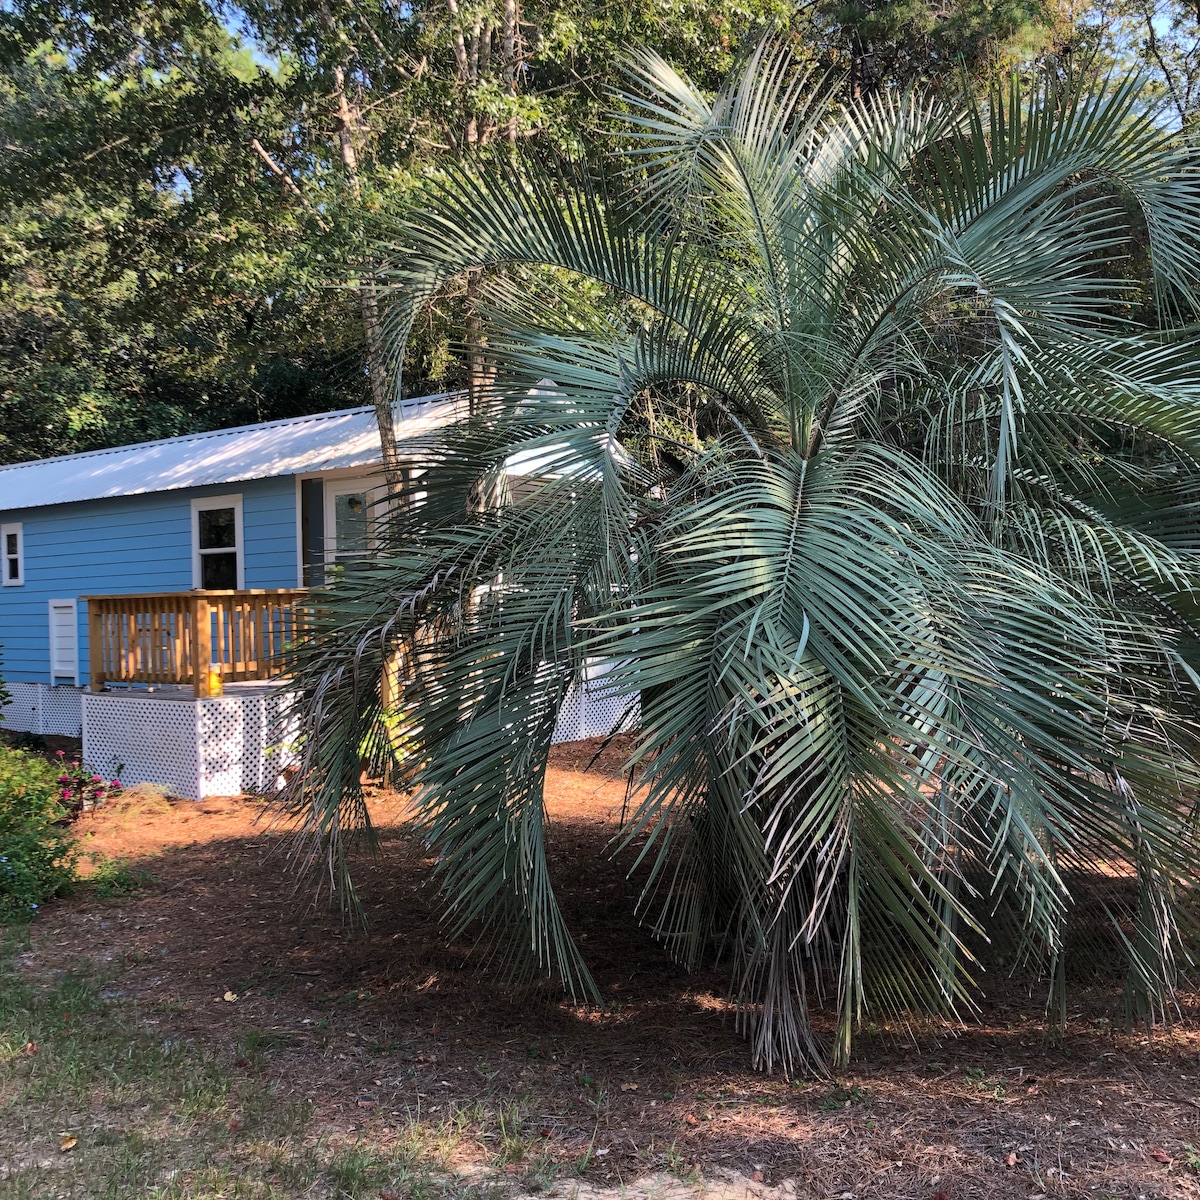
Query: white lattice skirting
point(592, 709)
point(215, 747)
point(231, 744)
point(39, 708)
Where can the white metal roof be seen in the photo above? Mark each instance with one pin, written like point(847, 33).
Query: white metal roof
point(325, 442)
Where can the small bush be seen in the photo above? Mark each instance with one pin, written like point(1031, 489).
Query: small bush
point(37, 855)
point(79, 789)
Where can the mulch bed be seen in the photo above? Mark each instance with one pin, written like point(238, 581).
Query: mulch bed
point(378, 1027)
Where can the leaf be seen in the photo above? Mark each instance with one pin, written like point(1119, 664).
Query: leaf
point(690, 1119)
point(30, 1049)
point(1011, 1159)
point(756, 1177)
point(230, 997)
point(68, 1141)
point(629, 1087)
point(1160, 1155)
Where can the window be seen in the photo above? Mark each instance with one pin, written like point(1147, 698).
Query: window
point(352, 508)
point(217, 543)
point(12, 562)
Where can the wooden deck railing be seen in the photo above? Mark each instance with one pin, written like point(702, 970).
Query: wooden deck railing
point(179, 637)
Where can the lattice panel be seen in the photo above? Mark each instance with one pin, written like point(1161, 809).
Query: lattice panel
point(213, 747)
point(62, 711)
point(590, 709)
point(277, 750)
point(24, 713)
point(222, 739)
point(143, 741)
point(36, 708)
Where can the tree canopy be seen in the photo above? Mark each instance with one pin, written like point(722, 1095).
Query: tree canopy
point(178, 213)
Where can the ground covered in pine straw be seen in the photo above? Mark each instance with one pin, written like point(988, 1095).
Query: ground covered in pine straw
point(188, 1025)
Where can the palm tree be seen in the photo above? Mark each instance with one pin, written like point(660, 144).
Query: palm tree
point(861, 441)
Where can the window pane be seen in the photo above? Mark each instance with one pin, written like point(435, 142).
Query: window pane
point(217, 530)
point(14, 568)
point(350, 523)
point(218, 571)
point(10, 540)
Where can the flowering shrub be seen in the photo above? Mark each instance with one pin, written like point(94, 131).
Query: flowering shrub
point(79, 789)
point(37, 855)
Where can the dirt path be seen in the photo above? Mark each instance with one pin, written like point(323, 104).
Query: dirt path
point(376, 1030)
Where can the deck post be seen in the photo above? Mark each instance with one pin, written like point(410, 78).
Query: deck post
point(201, 644)
point(95, 649)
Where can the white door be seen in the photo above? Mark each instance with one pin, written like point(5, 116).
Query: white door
point(350, 517)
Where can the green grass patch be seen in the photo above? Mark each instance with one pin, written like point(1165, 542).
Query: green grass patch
point(113, 877)
point(97, 1101)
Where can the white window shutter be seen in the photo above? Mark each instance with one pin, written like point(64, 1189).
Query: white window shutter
point(64, 640)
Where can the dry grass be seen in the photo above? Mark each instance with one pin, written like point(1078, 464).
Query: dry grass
point(392, 1062)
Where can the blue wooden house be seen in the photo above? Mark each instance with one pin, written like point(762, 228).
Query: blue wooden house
point(146, 591)
point(135, 578)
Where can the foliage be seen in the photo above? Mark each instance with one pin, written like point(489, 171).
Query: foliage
point(875, 481)
point(5, 694)
point(38, 858)
point(1160, 38)
point(885, 43)
point(113, 877)
point(175, 207)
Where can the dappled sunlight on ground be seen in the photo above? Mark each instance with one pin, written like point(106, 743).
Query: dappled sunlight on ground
point(396, 1033)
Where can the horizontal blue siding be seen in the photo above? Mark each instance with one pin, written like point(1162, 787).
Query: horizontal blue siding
point(130, 544)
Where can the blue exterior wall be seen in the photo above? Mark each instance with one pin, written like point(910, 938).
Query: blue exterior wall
point(130, 544)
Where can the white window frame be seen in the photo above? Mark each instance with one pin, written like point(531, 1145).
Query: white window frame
point(72, 671)
point(203, 504)
point(17, 528)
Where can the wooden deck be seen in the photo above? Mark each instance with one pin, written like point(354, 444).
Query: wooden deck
point(187, 637)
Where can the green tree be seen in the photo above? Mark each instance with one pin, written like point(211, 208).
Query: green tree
point(184, 186)
point(1158, 37)
point(885, 43)
point(866, 480)
point(152, 282)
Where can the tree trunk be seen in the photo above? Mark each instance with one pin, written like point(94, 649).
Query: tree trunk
point(473, 335)
point(510, 34)
point(348, 117)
